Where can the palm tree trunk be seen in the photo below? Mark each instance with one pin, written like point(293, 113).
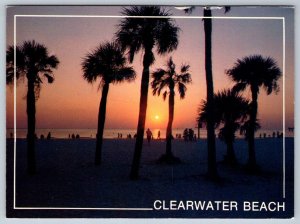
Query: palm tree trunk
point(231, 154)
point(134, 173)
point(31, 161)
point(253, 114)
point(170, 122)
point(229, 139)
point(101, 122)
point(211, 147)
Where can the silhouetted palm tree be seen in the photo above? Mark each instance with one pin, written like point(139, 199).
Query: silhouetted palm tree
point(108, 63)
point(255, 71)
point(211, 144)
point(168, 79)
point(33, 62)
point(135, 34)
point(244, 129)
point(231, 110)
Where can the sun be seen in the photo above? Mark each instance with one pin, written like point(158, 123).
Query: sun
point(156, 117)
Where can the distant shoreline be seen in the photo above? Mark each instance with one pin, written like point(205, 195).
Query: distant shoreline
point(114, 133)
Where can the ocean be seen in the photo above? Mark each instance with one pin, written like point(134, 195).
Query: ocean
point(116, 133)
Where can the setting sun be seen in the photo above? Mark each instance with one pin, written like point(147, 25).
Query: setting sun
point(156, 117)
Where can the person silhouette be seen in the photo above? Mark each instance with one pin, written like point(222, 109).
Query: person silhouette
point(186, 134)
point(49, 135)
point(149, 135)
point(158, 135)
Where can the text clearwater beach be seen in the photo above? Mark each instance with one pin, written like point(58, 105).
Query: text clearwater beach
point(253, 206)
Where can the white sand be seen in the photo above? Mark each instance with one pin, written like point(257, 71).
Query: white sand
point(67, 176)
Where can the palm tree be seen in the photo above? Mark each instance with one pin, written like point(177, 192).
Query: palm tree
point(33, 62)
point(244, 129)
point(108, 63)
point(211, 144)
point(255, 71)
point(231, 110)
point(135, 34)
point(169, 79)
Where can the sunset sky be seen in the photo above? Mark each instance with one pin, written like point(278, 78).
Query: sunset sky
point(71, 102)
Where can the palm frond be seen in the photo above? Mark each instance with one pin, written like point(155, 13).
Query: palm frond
point(245, 127)
point(202, 112)
point(165, 95)
point(167, 37)
point(124, 74)
point(20, 69)
point(238, 87)
point(133, 34)
point(170, 65)
point(108, 63)
point(230, 109)
point(227, 9)
point(190, 9)
point(50, 78)
point(181, 89)
point(90, 67)
point(157, 83)
point(32, 60)
point(256, 71)
point(168, 78)
point(184, 68)
point(184, 78)
point(158, 74)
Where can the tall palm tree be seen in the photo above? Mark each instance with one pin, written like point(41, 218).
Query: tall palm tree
point(244, 129)
point(135, 34)
point(211, 145)
point(231, 110)
point(33, 62)
point(168, 79)
point(255, 71)
point(108, 63)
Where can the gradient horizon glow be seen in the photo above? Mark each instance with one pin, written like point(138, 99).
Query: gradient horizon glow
point(71, 102)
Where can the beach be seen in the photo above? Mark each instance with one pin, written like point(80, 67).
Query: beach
point(67, 178)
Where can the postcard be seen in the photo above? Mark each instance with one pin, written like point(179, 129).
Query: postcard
point(150, 111)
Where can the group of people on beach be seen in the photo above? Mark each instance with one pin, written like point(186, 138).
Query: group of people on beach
point(188, 135)
point(274, 134)
point(42, 137)
point(73, 136)
point(149, 135)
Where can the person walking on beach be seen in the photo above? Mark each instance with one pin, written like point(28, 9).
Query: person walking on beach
point(158, 135)
point(149, 135)
point(186, 135)
point(49, 136)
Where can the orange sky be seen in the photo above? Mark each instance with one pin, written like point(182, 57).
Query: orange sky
point(70, 102)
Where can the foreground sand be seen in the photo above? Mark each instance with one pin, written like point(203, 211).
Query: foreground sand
point(67, 177)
